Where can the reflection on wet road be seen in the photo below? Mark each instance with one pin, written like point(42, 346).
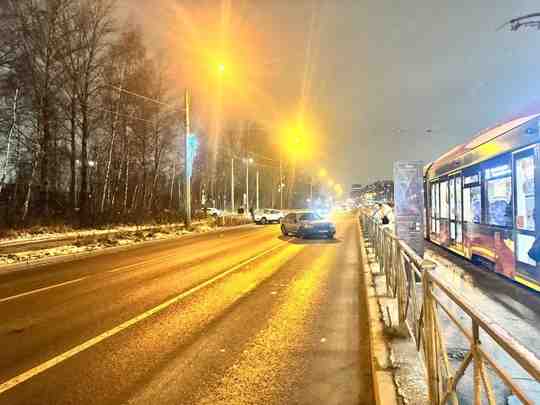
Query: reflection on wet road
point(243, 316)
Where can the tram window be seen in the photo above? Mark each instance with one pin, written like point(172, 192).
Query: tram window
point(444, 199)
point(433, 202)
point(475, 178)
point(472, 204)
point(525, 193)
point(498, 171)
point(499, 201)
point(452, 199)
point(436, 197)
point(458, 198)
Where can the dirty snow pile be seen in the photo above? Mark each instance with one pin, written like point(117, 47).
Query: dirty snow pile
point(123, 237)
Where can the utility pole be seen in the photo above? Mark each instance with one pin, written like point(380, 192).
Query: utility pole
point(247, 185)
point(187, 171)
point(280, 179)
point(232, 185)
point(257, 177)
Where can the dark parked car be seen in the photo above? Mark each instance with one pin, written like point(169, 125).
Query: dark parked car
point(305, 224)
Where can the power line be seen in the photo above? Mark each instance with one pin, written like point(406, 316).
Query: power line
point(153, 100)
point(124, 115)
point(523, 21)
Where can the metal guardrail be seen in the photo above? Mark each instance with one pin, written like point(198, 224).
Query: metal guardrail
point(421, 296)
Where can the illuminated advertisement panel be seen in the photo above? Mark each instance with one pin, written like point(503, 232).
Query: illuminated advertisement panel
point(409, 203)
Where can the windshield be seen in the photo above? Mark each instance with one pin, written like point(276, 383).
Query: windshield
point(310, 216)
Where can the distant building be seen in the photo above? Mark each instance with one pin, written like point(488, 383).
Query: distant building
point(382, 190)
point(356, 191)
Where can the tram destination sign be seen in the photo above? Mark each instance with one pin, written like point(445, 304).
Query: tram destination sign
point(409, 203)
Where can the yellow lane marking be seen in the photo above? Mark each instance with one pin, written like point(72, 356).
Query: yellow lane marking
point(7, 385)
point(50, 287)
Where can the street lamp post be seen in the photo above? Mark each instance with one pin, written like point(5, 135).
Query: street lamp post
point(280, 179)
point(232, 185)
point(247, 161)
point(187, 174)
point(257, 183)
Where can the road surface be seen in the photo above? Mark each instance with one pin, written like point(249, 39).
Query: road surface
point(243, 316)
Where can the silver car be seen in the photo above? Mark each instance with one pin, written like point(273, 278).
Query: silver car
point(305, 224)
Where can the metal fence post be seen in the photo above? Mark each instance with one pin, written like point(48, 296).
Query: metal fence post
point(402, 269)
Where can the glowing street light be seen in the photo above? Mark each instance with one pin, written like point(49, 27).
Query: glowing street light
point(322, 173)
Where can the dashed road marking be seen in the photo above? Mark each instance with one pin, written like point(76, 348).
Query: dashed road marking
point(117, 269)
point(37, 290)
point(13, 382)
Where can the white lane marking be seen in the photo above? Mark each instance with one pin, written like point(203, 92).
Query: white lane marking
point(126, 267)
point(37, 290)
point(157, 259)
point(7, 385)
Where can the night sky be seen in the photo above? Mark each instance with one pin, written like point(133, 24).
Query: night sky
point(381, 81)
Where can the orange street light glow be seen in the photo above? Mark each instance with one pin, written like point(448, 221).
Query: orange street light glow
point(297, 142)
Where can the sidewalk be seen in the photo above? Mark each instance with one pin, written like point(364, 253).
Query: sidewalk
point(396, 379)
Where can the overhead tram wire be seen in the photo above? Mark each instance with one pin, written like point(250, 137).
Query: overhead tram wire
point(528, 21)
point(172, 108)
point(232, 154)
point(124, 115)
point(152, 100)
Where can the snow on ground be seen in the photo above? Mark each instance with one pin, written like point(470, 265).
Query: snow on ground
point(123, 237)
point(409, 374)
point(54, 232)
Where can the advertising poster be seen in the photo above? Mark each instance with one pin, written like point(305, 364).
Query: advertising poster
point(409, 204)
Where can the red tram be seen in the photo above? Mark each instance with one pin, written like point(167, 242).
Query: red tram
point(481, 198)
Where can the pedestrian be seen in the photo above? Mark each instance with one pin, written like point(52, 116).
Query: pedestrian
point(388, 214)
point(377, 213)
point(252, 212)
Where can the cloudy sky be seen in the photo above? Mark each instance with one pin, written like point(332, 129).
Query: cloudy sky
point(378, 80)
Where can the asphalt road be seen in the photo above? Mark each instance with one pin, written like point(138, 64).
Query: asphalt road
point(243, 316)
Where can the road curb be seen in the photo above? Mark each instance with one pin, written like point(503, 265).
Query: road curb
point(31, 265)
point(384, 386)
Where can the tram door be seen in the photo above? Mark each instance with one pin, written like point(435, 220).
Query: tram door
point(456, 211)
point(524, 212)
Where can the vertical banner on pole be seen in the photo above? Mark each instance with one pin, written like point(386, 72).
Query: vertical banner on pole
point(409, 203)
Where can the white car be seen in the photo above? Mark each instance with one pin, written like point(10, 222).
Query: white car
point(213, 212)
point(264, 216)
